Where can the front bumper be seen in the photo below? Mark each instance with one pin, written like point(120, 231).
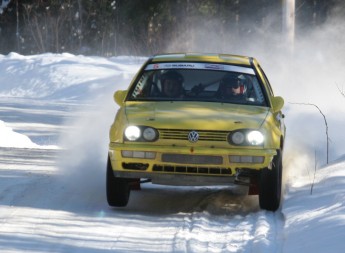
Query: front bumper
point(195, 165)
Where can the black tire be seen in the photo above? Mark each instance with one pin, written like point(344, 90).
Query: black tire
point(118, 189)
point(270, 185)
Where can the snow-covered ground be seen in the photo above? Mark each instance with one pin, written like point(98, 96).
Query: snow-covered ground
point(55, 112)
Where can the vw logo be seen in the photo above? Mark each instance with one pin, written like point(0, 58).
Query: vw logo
point(193, 136)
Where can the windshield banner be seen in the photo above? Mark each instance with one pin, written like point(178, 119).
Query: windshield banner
point(198, 65)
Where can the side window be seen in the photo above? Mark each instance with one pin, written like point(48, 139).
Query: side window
point(266, 80)
point(259, 96)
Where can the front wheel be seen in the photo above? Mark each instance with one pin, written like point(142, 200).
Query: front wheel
point(270, 184)
point(118, 189)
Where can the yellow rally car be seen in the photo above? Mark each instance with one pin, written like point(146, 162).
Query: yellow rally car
point(197, 119)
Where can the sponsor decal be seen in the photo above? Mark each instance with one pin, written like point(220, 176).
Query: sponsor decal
point(183, 65)
point(214, 66)
point(166, 66)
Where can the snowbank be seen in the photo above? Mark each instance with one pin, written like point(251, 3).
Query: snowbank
point(314, 210)
point(8, 138)
point(11, 139)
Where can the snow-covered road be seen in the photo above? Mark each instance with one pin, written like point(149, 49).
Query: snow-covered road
point(53, 148)
point(41, 212)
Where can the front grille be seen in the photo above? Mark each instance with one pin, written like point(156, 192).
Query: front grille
point(176, 134)
point(192, 159)
point(192, 169)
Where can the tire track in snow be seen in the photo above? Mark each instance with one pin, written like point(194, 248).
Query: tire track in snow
point(267, 232)
point(213, 224)
point(241, 228)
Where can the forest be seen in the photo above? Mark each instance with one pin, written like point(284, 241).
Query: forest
point(145, 27)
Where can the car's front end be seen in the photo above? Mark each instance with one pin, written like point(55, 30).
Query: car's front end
point(159, 140)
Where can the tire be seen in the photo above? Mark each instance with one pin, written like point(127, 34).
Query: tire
point(118, 189)
point(270, 185)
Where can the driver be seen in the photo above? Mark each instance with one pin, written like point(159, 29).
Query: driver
point(172, 84)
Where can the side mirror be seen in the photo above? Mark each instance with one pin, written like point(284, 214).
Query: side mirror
point(277, 104)
point(119, 97)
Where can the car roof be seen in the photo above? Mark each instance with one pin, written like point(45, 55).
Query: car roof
point(202, 57)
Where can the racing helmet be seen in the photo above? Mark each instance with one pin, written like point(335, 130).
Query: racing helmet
point(172, 75)
point(233, 81)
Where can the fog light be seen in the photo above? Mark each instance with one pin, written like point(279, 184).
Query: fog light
point(150, 155)
point(138, 154)
point(258, 159)
point(127, 153)
point(235, 158)
point(246, 159)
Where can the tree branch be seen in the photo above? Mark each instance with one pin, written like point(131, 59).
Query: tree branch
point(341, 91)
point(324, 117)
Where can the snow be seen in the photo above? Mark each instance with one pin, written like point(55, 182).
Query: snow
point(55, 113)
point(8, 138)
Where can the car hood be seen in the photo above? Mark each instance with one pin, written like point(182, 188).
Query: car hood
point(195, 115)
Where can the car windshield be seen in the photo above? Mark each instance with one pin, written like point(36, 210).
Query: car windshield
point(198, 82)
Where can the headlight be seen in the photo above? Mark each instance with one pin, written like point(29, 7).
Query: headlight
point(246, 137)
point(149, 134)
point(141, 133)
point(255, 138)
point(132, 133)
point(237, 138)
